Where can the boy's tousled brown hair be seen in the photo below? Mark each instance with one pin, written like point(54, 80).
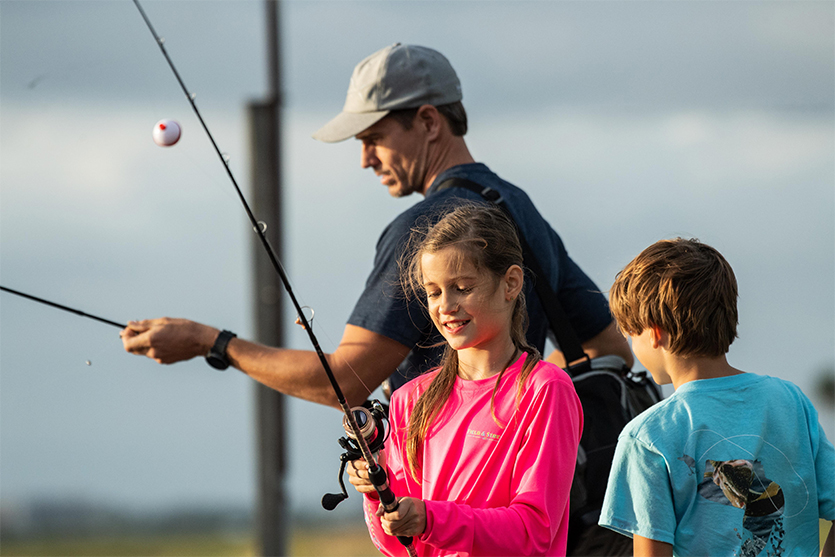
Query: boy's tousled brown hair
point(486, 237)
point(684, 287)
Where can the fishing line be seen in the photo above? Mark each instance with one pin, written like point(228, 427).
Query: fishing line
point(344, 360)
point(65, 308)
point(376, 474)
point(324, 332)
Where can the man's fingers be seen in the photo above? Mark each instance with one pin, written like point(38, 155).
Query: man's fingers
point(140, 326)
point(134, 342)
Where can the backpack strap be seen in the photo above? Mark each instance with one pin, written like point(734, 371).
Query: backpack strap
point(567, 339)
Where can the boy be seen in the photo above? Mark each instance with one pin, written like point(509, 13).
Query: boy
point(732, 463)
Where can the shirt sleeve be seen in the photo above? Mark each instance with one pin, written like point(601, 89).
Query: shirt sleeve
point(390, 545)
point(639, 499)
point(824, 472)
point(585, 305)
point(383, 307)
point(543, 470)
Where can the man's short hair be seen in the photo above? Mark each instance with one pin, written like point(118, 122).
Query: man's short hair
point(454, 114)
point(684, 287)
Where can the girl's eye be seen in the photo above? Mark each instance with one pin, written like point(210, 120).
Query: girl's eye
point(432, 294)
point(464, 289)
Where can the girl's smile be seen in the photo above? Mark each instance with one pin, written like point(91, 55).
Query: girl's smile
point(455, 325)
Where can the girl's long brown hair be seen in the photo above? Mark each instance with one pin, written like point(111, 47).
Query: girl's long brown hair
point(487, 238)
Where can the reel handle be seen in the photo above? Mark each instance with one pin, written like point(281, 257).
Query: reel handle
point(331, 500)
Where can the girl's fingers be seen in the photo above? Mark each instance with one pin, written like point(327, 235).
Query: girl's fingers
point(408, 520)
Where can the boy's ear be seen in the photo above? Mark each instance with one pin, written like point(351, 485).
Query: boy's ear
point(658, 336)
point(513, 278)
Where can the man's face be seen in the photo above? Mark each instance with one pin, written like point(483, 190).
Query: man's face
point(397, 155)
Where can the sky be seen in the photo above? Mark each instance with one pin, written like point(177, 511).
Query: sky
point(626, 122)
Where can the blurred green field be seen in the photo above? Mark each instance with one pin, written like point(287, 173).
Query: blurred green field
point(336, 541)
point(130, 545)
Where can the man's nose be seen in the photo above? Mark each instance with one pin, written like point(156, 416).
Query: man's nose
point(368, 158)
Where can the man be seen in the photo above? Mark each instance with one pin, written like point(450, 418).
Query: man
point(404, 105)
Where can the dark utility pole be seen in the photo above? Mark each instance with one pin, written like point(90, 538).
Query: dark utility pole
point(268, 294)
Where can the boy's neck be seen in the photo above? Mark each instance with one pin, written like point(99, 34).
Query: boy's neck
point(683, 370)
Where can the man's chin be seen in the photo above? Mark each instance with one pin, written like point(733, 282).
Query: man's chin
point(399, 191)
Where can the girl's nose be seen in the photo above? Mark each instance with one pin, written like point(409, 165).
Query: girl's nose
point(449, 304)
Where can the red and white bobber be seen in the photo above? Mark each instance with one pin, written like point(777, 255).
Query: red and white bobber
point(166, 133)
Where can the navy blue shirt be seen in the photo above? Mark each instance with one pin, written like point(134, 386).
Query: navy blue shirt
point(384, 309)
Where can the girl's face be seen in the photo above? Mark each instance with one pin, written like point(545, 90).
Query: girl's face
point(472, 309)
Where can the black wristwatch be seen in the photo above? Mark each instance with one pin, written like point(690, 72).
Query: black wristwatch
point(217, 355)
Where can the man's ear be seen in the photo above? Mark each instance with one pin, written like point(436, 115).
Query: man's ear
point(514, 279)
point(430, 120)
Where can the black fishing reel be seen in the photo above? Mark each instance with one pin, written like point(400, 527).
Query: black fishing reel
point(372, 418)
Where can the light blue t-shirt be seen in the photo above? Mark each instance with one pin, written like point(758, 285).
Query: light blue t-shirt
point(736, 465)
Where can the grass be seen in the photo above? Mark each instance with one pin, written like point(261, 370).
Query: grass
point(331, 541)
point(131, 545)
point(336, 541)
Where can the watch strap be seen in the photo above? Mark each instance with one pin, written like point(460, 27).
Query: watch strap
point(217, 355)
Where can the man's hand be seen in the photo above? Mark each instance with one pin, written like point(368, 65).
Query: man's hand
point(408, 520)
point(168, 340)
point(360, 363)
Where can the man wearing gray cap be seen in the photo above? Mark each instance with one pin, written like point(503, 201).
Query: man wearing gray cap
point(404, 105)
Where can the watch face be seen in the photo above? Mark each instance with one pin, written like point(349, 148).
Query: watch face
point(217, 361)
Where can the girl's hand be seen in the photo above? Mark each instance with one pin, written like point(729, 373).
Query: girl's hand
point(408, 520)
point(358, 473)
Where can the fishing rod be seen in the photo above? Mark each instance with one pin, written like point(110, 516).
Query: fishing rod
point(376, 474)
point(65, 308)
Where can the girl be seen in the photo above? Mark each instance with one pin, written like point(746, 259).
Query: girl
point(482, 449)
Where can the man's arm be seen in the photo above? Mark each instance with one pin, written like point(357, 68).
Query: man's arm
point(645, 547)
point(608, 341)
point(360, 363)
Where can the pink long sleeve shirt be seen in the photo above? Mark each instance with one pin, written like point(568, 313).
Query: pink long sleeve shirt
point(488, 489)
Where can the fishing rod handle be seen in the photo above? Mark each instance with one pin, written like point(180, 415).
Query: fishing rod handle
point(377, 477)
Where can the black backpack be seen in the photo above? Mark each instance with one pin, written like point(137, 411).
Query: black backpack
point(611, 395)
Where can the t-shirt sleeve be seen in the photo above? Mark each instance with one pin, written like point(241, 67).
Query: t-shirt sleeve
point(584, 303)
point(639, 499)
point(383, 307)
point(824, 472)
point(389, 545)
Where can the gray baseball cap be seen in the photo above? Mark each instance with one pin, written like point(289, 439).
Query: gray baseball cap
point(398, 76)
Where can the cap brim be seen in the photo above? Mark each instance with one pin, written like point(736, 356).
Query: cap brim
point(348, 124)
